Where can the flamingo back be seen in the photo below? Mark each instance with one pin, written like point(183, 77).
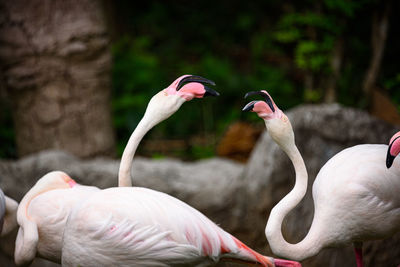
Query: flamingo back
point(358, 195)
point(142, 227)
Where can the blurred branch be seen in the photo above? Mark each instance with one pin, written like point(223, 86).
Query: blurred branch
point(380, 25)
point(336, 63)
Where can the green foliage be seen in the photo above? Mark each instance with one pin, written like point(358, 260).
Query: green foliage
point(261, 45)
point(202, 152)
point(285, 47)
point(138, 75)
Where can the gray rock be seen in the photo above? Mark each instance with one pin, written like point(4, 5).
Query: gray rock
point(237, 197)
point(206, 185)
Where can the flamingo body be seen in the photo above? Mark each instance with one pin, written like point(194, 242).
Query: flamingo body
point(356, 197)
point(133, 226)
point(142, 227)
point(50, 211)
point(42, 215)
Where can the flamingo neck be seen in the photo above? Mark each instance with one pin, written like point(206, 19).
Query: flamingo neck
point(309, 246)
point(124, 174)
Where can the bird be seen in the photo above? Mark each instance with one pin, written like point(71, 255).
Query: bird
point(42, 215)
point(393, 149)
point(8, 214)
point(45, 208)
point(136, 226)
point(167, 102)
point(356, 197)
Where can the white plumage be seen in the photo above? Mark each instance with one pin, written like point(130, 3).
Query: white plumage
point(45, 208)
point(42, 215)
point(356, 197)
point(142, 227)
point(132, 226)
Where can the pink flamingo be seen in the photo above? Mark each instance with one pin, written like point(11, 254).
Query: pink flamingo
point(133, 226)
point(42, 215)
point(8, 214)
point(44, 210)
point(356, 196)
point(161, 107)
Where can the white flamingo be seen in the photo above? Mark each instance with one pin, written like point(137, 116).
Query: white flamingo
point(161, 107)
point(8, 214)
point(42, 215)
point(356, 197)
point(133, 226)
point(45, 208)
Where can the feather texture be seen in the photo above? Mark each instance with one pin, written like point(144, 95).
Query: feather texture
point(143, 227)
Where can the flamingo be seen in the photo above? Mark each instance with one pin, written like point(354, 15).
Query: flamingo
point(161, 107)
point(8, 214)
point(356, 197)
point(134, 226)
point(45, 208)
point(42, 215)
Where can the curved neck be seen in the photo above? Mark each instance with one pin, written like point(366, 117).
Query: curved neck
point(124, 174)
point(309, 246)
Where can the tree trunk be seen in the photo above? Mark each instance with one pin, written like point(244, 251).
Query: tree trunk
point(56, 66)
point(336, 63)
point(380, 25)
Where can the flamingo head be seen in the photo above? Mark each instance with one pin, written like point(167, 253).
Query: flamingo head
point(55, 180)
point(266, 108)
point(191, 86)
point(185, 88)
point(51, 181)
point(28, 235)
point(277, 123)
point(393, 149)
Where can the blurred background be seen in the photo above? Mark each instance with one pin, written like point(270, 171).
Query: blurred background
point(111, 57)
point(76, 76)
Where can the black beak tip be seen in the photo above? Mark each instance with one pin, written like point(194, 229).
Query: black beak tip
point(389, 161)
point(210, 92)
point(249, 94)
point(248, 107)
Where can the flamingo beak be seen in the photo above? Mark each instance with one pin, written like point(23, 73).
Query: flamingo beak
point(267, 99)
point(210, 91)
point(389, 159)
point(198, 79)
point(392, 152)
point(249, 106)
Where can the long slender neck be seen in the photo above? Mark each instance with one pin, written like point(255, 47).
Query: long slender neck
point(310, 245)
point(294, 197)
point(124, 175)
